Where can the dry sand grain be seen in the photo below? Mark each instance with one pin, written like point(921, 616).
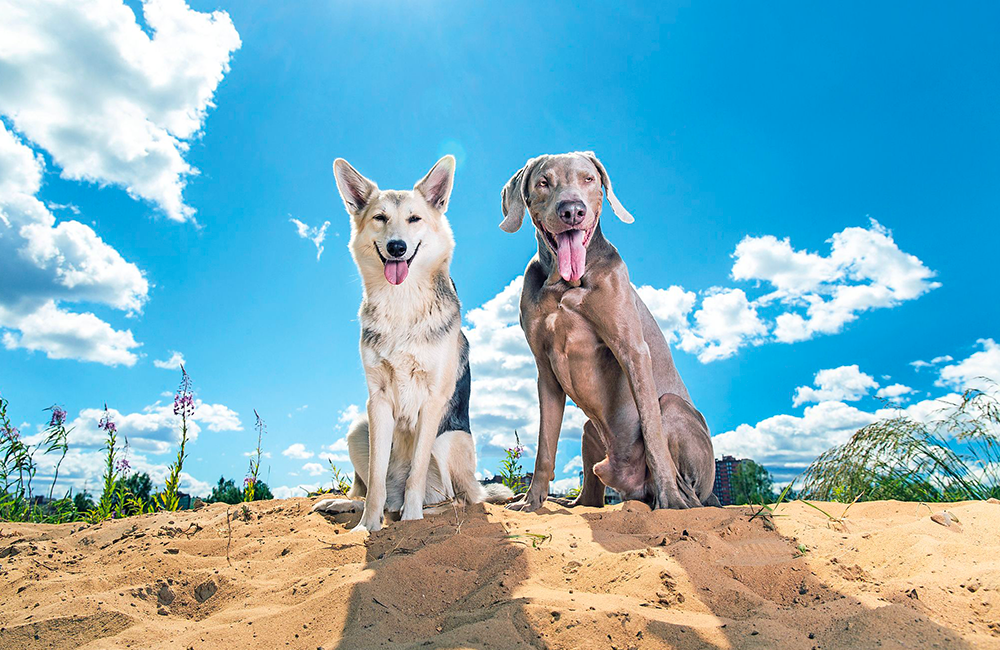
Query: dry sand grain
point(483, 577)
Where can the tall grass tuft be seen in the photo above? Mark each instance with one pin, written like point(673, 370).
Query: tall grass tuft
point(953, 456)
point(250, 482)
point(17, 467)
point(184, 408)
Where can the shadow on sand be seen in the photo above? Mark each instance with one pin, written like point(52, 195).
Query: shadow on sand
point(620, 577)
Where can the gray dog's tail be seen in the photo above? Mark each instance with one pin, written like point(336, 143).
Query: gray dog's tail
point(497, 493)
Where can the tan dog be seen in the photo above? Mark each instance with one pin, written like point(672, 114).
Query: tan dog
point(596, 341)
point(415, 447)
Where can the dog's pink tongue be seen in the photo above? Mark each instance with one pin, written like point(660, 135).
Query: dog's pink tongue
point(395, 272)
point(572, 255)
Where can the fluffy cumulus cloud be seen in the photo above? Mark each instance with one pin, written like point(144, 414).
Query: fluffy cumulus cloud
point(787, 443)
point(894, 392)
point(316, 235)
point(726, 322)
point(819, 294)
point(980, 370)
point(298, 451)
point(846, 383)
point(314, 469)
point(173, 362)
point(111, 105)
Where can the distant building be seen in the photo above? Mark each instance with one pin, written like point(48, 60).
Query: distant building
point(725, 467)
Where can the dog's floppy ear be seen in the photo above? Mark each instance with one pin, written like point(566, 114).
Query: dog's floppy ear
point(512, 199)
point(616, 205)
point(436, 186)
point(355, 189)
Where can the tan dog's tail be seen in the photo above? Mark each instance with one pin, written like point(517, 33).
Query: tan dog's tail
point(498, 493)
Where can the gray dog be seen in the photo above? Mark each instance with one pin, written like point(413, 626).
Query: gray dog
point(596, 341)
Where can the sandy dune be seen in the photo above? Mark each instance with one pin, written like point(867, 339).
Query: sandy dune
point(277, 576)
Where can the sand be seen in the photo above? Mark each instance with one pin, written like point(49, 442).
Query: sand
point(277, 576)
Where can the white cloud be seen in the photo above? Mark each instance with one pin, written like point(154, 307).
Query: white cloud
point(111, 104)
point(724, 324)
point(175, 361)
point(564, 485)
point(340, 444)
point(337, 459)
point(970, 372)
point(43, 263)
point(314, 469)
point(288, 492)
point(349, 414)
point(313, 234)
point(62, 334)
point(297, 450)
point(670, 307)
point(865, 270)
point(894, 392)
point(575, 463)
point(846, 383)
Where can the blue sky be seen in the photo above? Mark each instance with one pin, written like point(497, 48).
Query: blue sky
point(866, 136)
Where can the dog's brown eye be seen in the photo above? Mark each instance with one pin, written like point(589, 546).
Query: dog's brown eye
point(380, 217)
point(413, 219)
point(589, 179)
point(543, 183)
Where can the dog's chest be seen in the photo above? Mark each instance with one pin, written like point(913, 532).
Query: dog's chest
point(577, 355)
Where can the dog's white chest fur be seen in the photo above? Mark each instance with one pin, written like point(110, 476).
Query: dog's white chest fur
point(409, 350)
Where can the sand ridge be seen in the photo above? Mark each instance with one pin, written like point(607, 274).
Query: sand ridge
point(275, 575)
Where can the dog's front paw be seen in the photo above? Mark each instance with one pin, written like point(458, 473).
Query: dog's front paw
point(409, 513)
point(367, 527)
point(526, 503)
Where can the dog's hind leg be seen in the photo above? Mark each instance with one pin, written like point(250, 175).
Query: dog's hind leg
point(357, 448)
point(592, 451)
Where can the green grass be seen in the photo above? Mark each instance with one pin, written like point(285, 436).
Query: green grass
point(953, 456)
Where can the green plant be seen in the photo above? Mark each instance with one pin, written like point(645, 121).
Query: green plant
point(184, 408)
point(954, 455)
point(250, 482)
point(110, 494)
point(341, 482)
point(56, 439)
point(511, 473)
point(16, 464)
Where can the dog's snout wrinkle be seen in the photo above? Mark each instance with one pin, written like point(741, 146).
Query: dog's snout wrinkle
point(571, 212)
point(396, 247)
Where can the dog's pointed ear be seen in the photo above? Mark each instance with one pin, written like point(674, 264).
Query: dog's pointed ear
point(436, 186)
point(355, 189)
point(616, 205)
point(512, 198)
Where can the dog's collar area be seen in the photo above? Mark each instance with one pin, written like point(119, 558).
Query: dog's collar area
point(386, 260)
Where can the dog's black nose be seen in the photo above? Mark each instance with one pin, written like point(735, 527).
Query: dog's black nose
point(396, 247)
point(571, 212)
